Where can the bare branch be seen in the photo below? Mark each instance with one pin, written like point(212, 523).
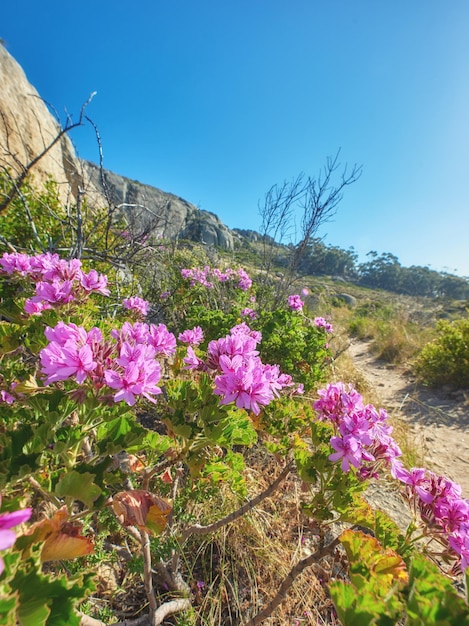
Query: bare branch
point(19, 180)
point(317, 199)
point(295, 571)
point(196, 529)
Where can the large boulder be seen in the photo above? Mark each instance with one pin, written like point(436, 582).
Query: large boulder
point(27, 128)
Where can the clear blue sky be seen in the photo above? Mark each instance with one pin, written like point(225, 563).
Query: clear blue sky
point(217, 100)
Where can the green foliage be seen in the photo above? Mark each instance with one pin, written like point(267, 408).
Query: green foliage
point(79, 452)
point(33, 220)
point(383, 590)
point(445, 361)
point(395, 338)
point(293, 342)
point(385, 272)
point(431, 599)
point(319, 259)
point(31, 598)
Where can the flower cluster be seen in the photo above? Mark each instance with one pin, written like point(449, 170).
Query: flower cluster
point(440, 506)
point(363, 440)
point(247, 312)
point(240, 375)
point(322, 323)
point(362, 436)
point(57, 281)
point(295, 303)
point(193, 336)
point(7, 521)
point(206, 276)
point(139, 305)
point(127, 363)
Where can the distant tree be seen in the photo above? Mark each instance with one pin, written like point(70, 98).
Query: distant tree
point(319, 259)
point(451, 286)
point(382, 271)
point(385, 272)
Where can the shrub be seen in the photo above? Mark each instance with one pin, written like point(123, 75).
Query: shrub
point(445, 361)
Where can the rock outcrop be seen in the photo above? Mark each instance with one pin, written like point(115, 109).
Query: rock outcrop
point(27, 127)
point(164, 214)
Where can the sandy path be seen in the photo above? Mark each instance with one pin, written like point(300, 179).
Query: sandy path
point(438, 421)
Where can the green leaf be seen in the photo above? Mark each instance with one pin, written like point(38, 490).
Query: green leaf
point(432, 600)
point(368, 558)
point(235, 429)
point(33, 612)
point(79, 487)
point(351, 608)
point(120, 433)
point(47, 601)
point(7, 609)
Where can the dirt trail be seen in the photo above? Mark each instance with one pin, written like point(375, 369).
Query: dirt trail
point(438, 421)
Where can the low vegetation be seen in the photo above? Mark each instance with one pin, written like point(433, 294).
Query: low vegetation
point(175, 448)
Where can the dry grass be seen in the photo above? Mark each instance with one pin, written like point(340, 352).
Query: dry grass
point(241, 567)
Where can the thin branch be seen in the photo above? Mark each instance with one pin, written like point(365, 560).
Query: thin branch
point(197, 529)
point(27, 168)
point(173, 606)
point(147, 576)
point(290, 579)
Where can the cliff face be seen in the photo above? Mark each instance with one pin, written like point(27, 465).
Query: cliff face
point(27, 127)
point(164, 214)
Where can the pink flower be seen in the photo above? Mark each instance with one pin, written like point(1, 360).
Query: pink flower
point(136, 304)
point(247, 312)
point(161, 339)
point(60, 363)
point(94, 282)
point(244, 383)
point(192, 361)
point(54, 292)
point(245, 282)
point(68, 353)
point(243, 329)
point(348, 449)
point(362, 435)
point(15, 262)
point(321, 323)
point(137, 378)
point(62, 270)
point(295, 303)
point(230, 345)
point(6, 397)
point(195, 336)
point(35, 308)
point(7, 521)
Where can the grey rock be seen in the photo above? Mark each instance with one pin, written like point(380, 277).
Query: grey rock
point(348, 299)
point(163, 214)
point(27, 127)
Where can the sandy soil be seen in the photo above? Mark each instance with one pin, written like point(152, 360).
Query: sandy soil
point(438, 420)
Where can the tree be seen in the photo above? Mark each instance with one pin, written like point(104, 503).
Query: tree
point(319, 259)
point(317, 198)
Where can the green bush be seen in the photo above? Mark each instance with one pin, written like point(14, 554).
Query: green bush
point(445, 361)
point(295, 343)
